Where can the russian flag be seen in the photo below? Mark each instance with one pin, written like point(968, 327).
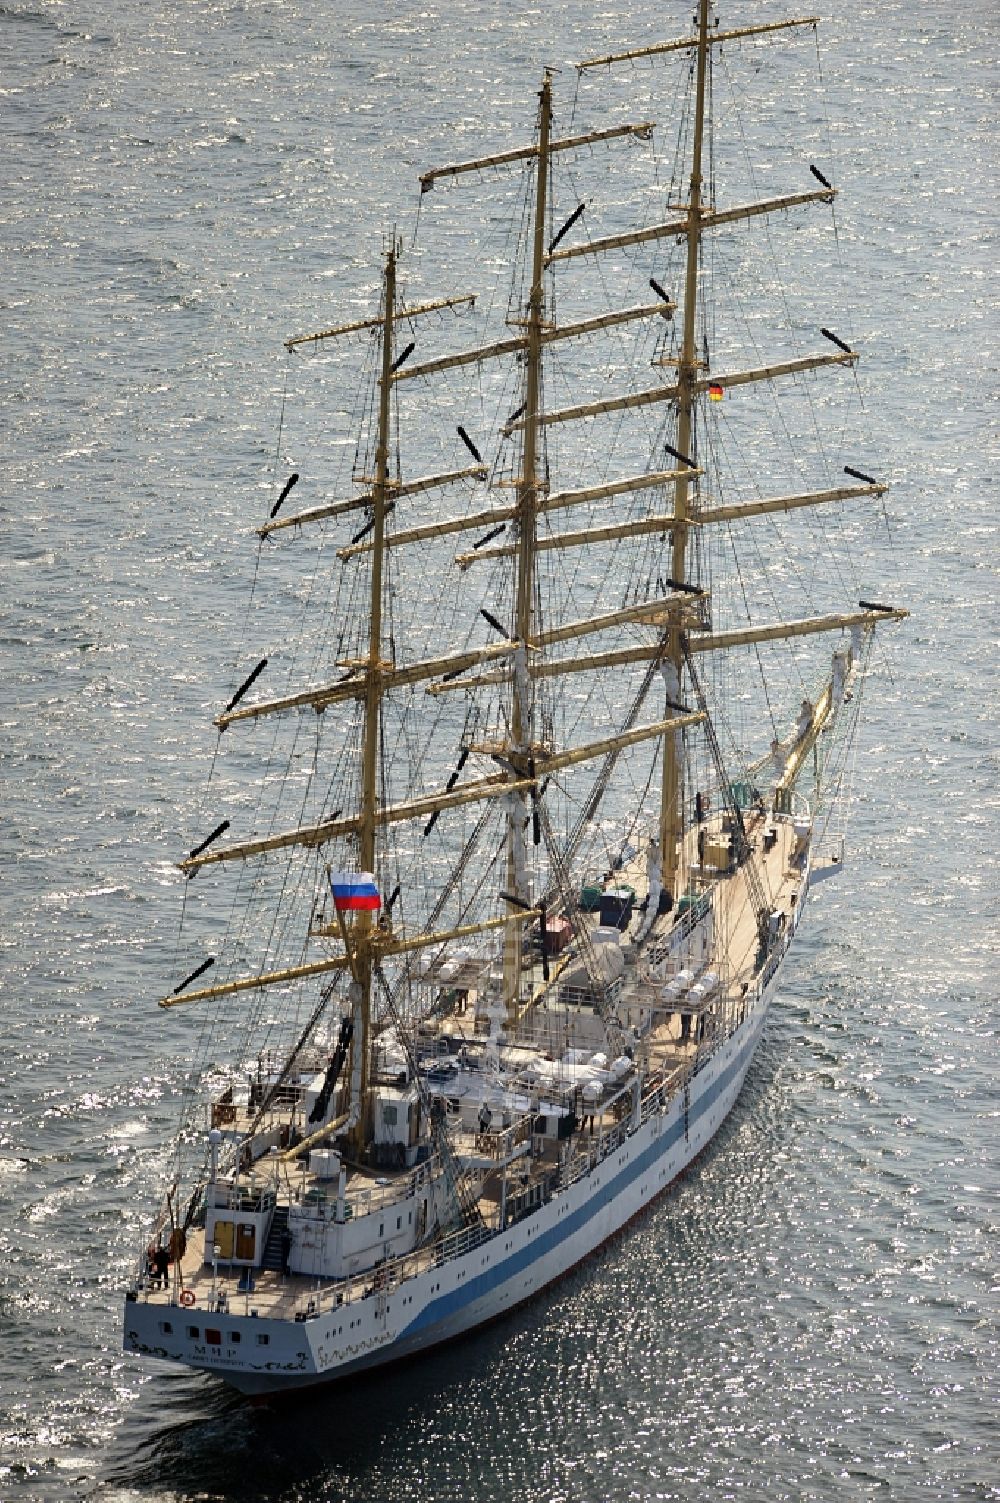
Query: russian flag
point(354, 891)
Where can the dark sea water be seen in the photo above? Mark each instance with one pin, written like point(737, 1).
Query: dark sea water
point(813, 1313)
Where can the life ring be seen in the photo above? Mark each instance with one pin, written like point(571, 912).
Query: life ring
point(187, 1298)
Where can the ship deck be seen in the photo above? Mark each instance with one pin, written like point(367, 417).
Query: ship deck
point(668, 1053)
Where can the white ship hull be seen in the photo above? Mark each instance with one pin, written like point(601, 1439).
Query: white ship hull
point(259, 1356)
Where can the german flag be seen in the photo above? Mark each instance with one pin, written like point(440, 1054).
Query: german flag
point(716, 392)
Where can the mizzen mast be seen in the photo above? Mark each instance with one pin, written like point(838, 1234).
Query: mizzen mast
point(362, 958)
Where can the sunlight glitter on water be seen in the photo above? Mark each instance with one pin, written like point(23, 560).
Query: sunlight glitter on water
point(807, 1317)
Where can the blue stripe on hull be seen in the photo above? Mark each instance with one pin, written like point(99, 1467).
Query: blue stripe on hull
point(448, 1305)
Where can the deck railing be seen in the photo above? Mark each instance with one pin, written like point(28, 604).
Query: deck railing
point(387, 1276)
point(224, 1197)
point(363, 1202)
point(500, 1145)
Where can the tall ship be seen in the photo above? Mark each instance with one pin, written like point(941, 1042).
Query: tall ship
point(556, 766)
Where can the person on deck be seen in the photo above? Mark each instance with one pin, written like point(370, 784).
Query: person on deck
point(161, 1266)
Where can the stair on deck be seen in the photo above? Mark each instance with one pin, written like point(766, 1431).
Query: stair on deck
point(273, 1258)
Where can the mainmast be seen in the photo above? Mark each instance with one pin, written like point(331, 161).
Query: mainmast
point(521, 728)
point(672, 792)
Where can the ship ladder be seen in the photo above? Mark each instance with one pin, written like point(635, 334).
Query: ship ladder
point(382, 1293)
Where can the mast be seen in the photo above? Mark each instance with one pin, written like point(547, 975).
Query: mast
point(361, 989)
point(671, 797)
point(527, 499)
point(679, 625)
point(526, 513)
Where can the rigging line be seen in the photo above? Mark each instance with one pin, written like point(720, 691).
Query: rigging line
point(319, 641)
point(848, 766)
point(448, 888)
point(746, 604)
point(682, 146)
point(746, 599)
point(301, 879)
point(497, 252)
point(610, 761)
point(626, 834)
point(773, 527)
point(581, 932)
point(256, 567)
point(765, 574)
point(886, 664)
point(855, 747)
point(572, 567)
point(281, 415)
point(576, 97)
point(462, 1189)
point(745, 851)
point(882, 499)
point(829, 143)
point(299, 884)
point(766, 231)
point(325, 997)
point(657, 155)
point(831, 797)
point(416, 221)
point(618, 334)
point(261, 900)
point(563, 589)
point(212, 1019)
point(521, 236)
